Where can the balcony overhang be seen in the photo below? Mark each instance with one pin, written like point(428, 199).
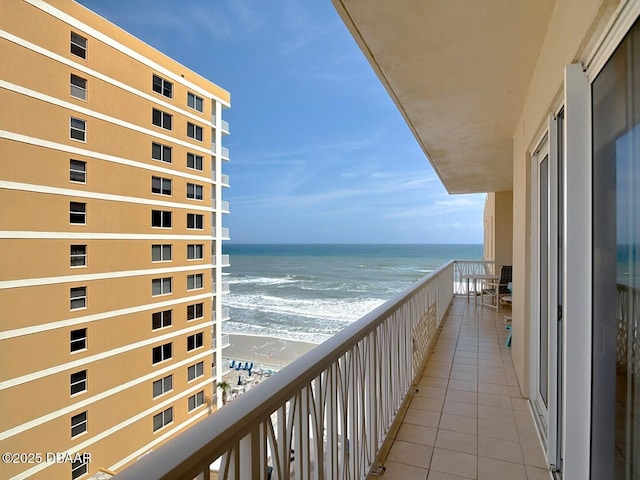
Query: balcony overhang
point(459, 72)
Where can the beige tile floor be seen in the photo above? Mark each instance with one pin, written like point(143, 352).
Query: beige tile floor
point(468, 419)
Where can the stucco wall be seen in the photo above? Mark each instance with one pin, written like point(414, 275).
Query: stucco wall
point(574, 27)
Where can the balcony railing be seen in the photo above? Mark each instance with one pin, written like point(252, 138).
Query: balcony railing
point(224, 341)
point(628, 330)
point(224, 179)
point(327, 414)
point(469, 267)
point(224, 125)
point(224, 206)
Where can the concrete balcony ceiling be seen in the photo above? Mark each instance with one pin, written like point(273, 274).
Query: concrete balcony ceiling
point(459, 71)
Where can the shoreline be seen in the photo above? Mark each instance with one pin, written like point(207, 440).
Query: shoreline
point(266, 353)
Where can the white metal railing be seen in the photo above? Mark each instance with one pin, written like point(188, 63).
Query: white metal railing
point(224, 341)
point(224, 206)
point(628, 330)
point(327, 414)
point(213, 147)
point(225, 287)
point(225, 260)
point(224, 233)
point(225, 314)
point(469, 267)
point(224, 126)
point(224, 179)
point(224, 151)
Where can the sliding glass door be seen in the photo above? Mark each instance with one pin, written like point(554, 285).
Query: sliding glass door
point(615, 427)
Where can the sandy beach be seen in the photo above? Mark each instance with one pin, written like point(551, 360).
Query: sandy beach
point(265, 352)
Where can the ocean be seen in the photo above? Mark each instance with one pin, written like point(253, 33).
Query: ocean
point(310, 292)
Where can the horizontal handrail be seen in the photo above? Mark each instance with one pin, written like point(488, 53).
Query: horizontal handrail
point(389, 344)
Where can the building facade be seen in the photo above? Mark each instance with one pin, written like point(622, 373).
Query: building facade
point(111, 236)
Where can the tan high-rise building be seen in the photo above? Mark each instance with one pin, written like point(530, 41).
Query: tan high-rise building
point(110, 243)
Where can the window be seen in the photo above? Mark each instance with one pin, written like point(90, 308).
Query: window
point(78, 297)
point(163, 385)
point(160, 253)
point(160, 219)
point(163, 419)
point(194, 131)
point(194, 191)
point(162, 353)
point(80, 466)
point(78, 424)
point(77, 171)
point(195, 311)
point(196, 400)
point(78, 382)
point(161, 152)
point(162, 86)
point(195, 371)
point(195, 341)
point(195, 221)
point(160, 286)
point(78, 129)
point(615, 282)
point(162, 119)
point(194, 161)
point(195, 281)
point(78, 255)
point(78, 45)
point(78, 87)
point(161, 319)
point(161, 185)
point(78, 213)
point(195, 252)
point(78, 339)
point(195, 102)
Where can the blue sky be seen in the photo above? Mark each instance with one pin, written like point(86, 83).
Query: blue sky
point(319, 152)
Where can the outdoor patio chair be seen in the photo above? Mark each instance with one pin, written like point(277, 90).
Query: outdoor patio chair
point(497, 291)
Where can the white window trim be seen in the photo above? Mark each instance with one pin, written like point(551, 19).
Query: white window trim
point(195, 371)
point(162, 287)
point(85, 256)
point(195, 397)
point(195, 222)
point(161, 126)
point(195, 103)
point(83, 89)
point(161, 86)
point(195, 276)
point(162, 180)
point(195, 245)
point(163, 327)
point(195, 189)
point(164, 392)
point(71, 127)
point(164, 425)
point(195, 155)
point(195, 130)
point(86, 424)
point(85, 381)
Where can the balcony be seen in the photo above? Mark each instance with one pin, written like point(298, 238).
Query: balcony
point(422, 383)
point(224, 341)
point(224, 125)
point(224, 206)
